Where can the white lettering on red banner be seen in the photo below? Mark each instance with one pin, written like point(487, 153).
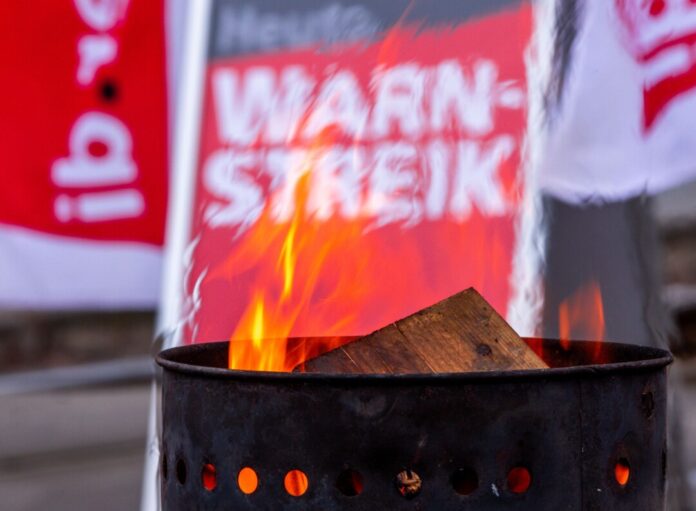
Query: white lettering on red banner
point(397, 125)
point(100, 144)
point(84, 123)
point(384, 172)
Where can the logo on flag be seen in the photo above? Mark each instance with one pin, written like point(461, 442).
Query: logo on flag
point(662, 37)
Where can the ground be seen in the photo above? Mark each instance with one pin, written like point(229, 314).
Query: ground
point(74, 449)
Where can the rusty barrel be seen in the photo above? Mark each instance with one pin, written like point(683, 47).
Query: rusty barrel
point(587, 434)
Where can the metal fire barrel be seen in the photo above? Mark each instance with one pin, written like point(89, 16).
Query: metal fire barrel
point(587, 434)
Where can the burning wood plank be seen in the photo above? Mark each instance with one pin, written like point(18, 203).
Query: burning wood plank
point(459, 334)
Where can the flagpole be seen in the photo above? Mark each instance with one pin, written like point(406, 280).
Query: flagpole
point(184, 151)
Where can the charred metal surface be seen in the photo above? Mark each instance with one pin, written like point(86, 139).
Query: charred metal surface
point(568, 426)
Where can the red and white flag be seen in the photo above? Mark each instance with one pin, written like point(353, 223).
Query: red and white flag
point(625, 121)
point(83, 153)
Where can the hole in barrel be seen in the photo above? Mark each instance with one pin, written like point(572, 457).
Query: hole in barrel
point(181, 471)
point(409, 483)
point(622, 471)
point(519, 480)
point(465, 481)
point(247, 480)
point(209, 477)
point(296, 483)
point(350, 483)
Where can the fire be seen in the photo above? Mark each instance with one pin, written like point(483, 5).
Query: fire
point(282, 293)
point(340, 227)
point(313, 273)
point(581, 316)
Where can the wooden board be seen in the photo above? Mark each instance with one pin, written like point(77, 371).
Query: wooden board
point(462, 333)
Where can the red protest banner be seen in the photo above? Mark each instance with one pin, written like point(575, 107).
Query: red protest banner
point(345, 186)
point(83, 121)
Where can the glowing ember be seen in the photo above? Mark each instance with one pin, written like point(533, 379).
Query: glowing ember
point(581, 316)
point(296, 483)
point(350, 483)
point(519, 480)
point(209, 477)
point(622, 472)
point(247, 480)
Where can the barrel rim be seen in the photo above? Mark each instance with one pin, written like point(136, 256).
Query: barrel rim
point(648, 359)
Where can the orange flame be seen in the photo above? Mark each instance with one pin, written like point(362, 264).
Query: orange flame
point(581, 316)
point(317, 269)
point(260, 341)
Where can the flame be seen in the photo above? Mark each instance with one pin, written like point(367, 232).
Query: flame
point(322, 273)
point(261, 339)
point(581, 316)
point(312, 275)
